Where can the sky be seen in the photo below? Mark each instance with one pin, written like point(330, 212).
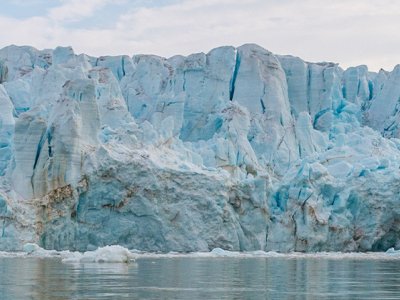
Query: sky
point(349, 32)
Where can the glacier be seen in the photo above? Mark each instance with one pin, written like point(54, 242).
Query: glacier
point(238, 149)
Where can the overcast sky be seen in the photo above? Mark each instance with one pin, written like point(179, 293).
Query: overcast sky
point(350, 32)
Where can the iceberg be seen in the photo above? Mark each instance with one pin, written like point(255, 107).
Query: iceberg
point(236, 149)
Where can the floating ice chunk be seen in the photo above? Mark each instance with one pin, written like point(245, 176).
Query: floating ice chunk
point(107, 254)
point(222, 252)
point(392, 251)
point(35, 250)
point(30, 248)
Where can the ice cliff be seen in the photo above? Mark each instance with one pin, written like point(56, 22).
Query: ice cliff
point(238, 148)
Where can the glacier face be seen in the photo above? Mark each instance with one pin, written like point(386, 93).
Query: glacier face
point(238, 148)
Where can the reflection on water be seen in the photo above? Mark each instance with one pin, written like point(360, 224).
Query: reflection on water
point(201, 278)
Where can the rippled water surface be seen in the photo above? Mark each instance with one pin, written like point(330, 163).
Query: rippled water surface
point(201, 278)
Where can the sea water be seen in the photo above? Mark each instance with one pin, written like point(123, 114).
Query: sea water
point(325, 276)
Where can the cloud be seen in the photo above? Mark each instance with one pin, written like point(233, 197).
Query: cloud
point(30, 3)
point(33, 31)
point(364, 31)
point(349, 32)
point(72, 10)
